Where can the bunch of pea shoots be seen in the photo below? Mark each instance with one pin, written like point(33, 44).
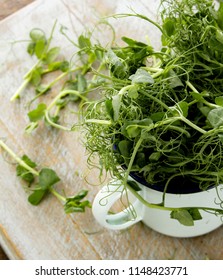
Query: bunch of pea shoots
point(159, 116)
point(161, 119)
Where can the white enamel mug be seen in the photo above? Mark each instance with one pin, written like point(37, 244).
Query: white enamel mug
point(157, 219)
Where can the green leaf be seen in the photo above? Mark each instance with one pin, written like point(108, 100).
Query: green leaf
point(39, 48)
point(155, 156)
point(23, 172)
point(74, 207)
point(220, 135)
point(74, 204)
point(133, 92)
point(109, 108)
point(36, 197)
point(64, 66)
point(82, 194)
point(81, 83)
point(117, 66)
point(219, 36)
point(140, 159)
point(36, 77)
point(141, 77)
point(91, 59)
point(125, 148)
point(174, 80)
point(47, 178)
point(180, 108)
point(51, 55)
point(133, 43)
point(158, 116)
point(183, 216)
point(205, 110)
point(84, 42)
point(220, 16)
point(197, 96)
point(42, 88)
point(134, 185)
point(215, 117)
point(219, 101)
point(58, 65)
point(116, 104)
point(169, 26)
point(37, 113)
point(37, 34)
point(194, 212)
point(28, 161)
point(54, 119)
point(133, 130)
point(183, 108)
point(31, 48)
point(215, 44)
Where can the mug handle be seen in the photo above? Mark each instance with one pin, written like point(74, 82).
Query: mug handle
point(104, 200)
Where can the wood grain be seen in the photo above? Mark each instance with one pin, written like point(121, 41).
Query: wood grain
point(45, 232)
point(8, 8)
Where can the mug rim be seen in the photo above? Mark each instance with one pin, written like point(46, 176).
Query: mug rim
point(171, 190)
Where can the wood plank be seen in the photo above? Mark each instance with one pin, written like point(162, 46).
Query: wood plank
point(7, 8)
point(10, 7)
point(45, 232)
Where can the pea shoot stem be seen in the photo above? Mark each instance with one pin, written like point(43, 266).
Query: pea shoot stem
point(18, 159)
point(203, 100)
point(53, 103)
point(57, 195)
point(137, 146)
point(161, 207)
point(27, 75)
point(96, 121)
point(201, 130)
point(20, 89)
point(60, 77)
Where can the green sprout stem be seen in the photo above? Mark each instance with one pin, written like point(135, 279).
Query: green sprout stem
point(203, 100)
point(60, 77)
point(27, 75)
point(96, 121)
point(20, 89)
point(193, 125)
point(139, 16)
point(57, 195)
point(161, 207)
point(18, 159)
point(124, 89)
point(53, 103)
point(137, 146)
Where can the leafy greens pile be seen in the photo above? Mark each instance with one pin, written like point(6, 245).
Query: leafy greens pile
point(163, 110)
point(162, 116)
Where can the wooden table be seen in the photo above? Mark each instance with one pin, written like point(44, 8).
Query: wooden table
point(45, 231)
point(7, 8)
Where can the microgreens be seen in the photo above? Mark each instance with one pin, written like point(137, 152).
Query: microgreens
point(160, 115)
point(164, 122)
point(76, 83)
point(40, 183)
point(39, 46)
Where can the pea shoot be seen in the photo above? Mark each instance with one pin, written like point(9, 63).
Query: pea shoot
point(41, 182)
point(161, 117)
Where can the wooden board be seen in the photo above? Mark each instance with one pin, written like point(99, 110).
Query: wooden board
point(45, 232)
